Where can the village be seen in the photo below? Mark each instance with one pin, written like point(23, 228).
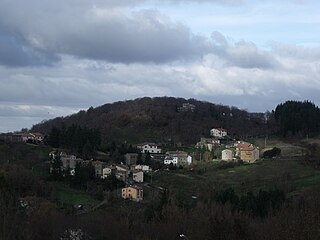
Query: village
point(217, 147)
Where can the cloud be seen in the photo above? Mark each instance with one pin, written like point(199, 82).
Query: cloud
point(59, 57)
point(98, 31)
point(242, 54)
point(16, 52)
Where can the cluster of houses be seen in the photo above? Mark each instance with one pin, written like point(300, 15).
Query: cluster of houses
point(128, 173)
point(176, 158)
point(133, 174)
point(237, 150)
point(22, 137)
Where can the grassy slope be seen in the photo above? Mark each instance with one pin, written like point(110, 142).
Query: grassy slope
point(70, 196)
point(291, 176)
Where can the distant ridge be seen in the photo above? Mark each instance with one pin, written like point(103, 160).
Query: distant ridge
point(161, 118)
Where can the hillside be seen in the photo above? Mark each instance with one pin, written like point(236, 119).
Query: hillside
point(162, 118)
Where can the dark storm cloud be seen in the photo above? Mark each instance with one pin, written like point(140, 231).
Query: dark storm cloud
point(143, 37)
point(98, 31)
point(14, 51)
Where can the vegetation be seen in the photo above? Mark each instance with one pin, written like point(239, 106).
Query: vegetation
point(81, 140)
point(158, 120)
point(276, 198)
point(226, 214)
point(274, 152)
point(298, 118)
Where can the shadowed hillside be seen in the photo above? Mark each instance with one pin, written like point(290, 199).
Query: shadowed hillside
point(163, 118)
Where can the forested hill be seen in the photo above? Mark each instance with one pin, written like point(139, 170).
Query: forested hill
point(162, 118)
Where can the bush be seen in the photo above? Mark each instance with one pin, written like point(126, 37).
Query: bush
point(274, 152)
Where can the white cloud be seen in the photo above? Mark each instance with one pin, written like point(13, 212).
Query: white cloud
point(59, 57)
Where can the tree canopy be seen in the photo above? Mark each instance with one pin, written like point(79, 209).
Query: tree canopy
point(297, 118)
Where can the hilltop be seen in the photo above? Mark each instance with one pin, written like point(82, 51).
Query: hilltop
point(163, 119)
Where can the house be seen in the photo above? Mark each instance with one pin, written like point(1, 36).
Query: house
point(68, 161)
point(134, 193)
point(240, 145)
point(144, 168)
point(131, 158)
point(22, 137)
point(98, 167)
point(149, 148)
point(38, 137)
point(186, 107)
point(180, 158)
point(218, 132)
point(35, 137)
point(170, 160)
point(226, 155)
point(208, 143)
point(137, 176)
point(106, 172)
point(122, 172)
point(122, 168)
point(249, 154)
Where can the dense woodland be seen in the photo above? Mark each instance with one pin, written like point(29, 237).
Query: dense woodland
point(80, 140)
point(158, 120)
point(298, 118)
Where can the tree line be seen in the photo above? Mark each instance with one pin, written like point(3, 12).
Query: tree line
point(82, 140)
point(297, 118)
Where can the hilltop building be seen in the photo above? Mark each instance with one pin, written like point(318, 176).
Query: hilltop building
point(218, 132)
point(149, 148)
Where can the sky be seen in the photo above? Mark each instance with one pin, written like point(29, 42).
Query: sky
point(58, 57)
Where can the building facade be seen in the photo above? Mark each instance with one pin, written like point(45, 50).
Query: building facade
point(226, 155)
point(149, 148)
point(134, 193)
point(218, 132)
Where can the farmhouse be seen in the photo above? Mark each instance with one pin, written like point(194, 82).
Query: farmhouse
point(149, 148)
point(180, 158)
point(249, 154)
point(134, 193)
point(106, 172)
point(218, 132)
point(226, 155)
point(208, 143)
point(137, 176)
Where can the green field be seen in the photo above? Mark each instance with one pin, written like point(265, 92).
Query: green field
point(287, 149)
point(291, 176)
point(69, 196)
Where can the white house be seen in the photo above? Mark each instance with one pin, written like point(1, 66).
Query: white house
point(226, 155)
point(144, 168)
point(137, 176)
point(189, 160)
point(218, 132)
point(149, 147)
point(180, 158)
point(38, 137)
point(171, 160)
point(106, 172)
